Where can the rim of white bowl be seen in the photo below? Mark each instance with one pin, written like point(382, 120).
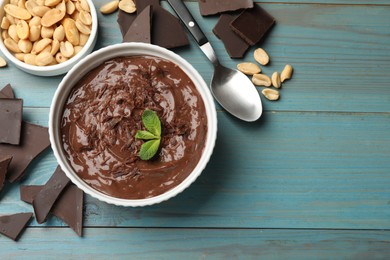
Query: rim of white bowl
point(96, 58)
point(51, 70)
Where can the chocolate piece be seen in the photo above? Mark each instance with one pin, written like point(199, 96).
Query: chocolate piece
point(46, 198)
point(142, 4)
point(12, 225)
point(11, 111)
point(234, 44)
point(34, 139)
point(252, 24)
point(28, 192)
point(209, 7)
point(140, 29)
point(68, 207)
point(124, 21)
point(4, 163)
point(167, 30)
point(7, 92)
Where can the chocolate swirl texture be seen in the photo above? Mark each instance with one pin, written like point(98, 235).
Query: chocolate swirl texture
point(103, 113)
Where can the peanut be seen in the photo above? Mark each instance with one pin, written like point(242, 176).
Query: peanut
point(55, 47)
point(70, 7)
point(84, 5)
point(59, 33)
point(83, 39)
point(52, 2)
point(40, 10)
point(5, 23)
point(13, 32)
point(35, 33)
point(60, 58)
point(30, 59)
point(110, 7)
point(270, 94)
point(25, 46)
point(20, 56)
point(286, 73)
point(77, 49)
point(248, 68)
point(30, 4)
point(61, 6)
point(276, 80)
point(66, 49)
point(83, 28)
point(11, 45)
point(4, 35)
point(71, 31)
point(22, 29)
point(36, 20)
point(47, 32)
point(17, 12)
point(261, 80)
point(3, 63)
point(85, 18)
point(52, 17)
point(127, 6)
point(40, 45)
point(44, 58)
point(261, 56)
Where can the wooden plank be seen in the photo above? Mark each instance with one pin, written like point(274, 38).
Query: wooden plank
point(105, 243)
point(308, 170)
point(340, 54)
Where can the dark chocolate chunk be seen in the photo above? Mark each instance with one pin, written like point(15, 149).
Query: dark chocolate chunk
point(46, 198)
point(68, 207)
point(34, 139)
point(124, 21)
point(209, 7)
point(252, 24)
point(140, 29)
point(167, 30)
point(7, 92)
point(4, 163)
point(28, 192)
point(234, 44)
point(12, 225)
point(11, 111)
point(142, 4)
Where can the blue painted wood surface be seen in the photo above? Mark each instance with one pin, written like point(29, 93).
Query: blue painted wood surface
point(314, 170)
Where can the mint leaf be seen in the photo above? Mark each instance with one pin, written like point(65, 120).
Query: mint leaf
point(149, 149)
point(145, 135)
point(151, 122)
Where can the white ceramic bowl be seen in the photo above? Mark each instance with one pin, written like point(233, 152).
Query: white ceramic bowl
point(57, 69)
point(92, 61)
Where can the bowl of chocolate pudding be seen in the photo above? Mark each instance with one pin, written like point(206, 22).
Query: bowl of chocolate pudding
point(98, 115)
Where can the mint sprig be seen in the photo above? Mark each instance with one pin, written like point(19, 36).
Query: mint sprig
point(153, 134)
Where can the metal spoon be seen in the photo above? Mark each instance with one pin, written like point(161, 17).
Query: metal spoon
point(231, 88)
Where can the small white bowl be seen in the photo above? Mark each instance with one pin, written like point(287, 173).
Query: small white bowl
point(57, 69)
point(93, 60)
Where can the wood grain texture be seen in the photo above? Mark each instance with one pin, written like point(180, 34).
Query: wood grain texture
point(126, 243)
point(340, 55)
point(289, 170)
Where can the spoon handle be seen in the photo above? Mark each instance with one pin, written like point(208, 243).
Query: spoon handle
point(189, 21)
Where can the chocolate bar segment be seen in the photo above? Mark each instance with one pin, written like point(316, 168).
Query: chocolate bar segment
point(142, 4)
point(252, 24)
point(210, 7)
point(34, 140)
point(140, 29)
point(12, 225)
point(125, 20)
point(68, 207)
point(11, 111)
point(7, 92)
point(4, 163)
point(234, 44)
point(46, 198)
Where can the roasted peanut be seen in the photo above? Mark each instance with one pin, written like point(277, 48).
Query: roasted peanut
point(286, 73)
point(261, 56)
point(52, 17)
point(261, 80)
point(22, 29)
point(3, 63)
point(25, 46)
point(110, 7)
point(248, 68)
point(66, 49)
point(44, 58)
point(17, 12)
point(71, 32)
point(5, 23)
point(127, 6)
point(83, 28)
point(35, 33)
point(276, 80)
point(271, 94)
point(30, 59)
point(11, 45)
point(47, 32)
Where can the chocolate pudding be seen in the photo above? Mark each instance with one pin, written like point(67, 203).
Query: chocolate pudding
point(103, 113)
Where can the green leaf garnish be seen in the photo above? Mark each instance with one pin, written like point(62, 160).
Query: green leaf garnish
point(153, 124)
point(145, 135)
point(149, 149)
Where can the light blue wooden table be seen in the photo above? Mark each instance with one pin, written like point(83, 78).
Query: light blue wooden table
point(310, 179)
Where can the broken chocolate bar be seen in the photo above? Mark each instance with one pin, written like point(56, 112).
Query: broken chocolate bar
point(4, 163)
point(252, 24)
point(11, 111)
point(125, 20)
point(34, 139)
point(234, 44)
point(68, 207)
point(140, 29)
point(210, 7)
point(12, 225)
point(46, 198)
point(7, 92)
point(167, 30)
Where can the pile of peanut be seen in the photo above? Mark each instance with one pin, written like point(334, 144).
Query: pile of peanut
point(259, 79)
point(46, 32)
